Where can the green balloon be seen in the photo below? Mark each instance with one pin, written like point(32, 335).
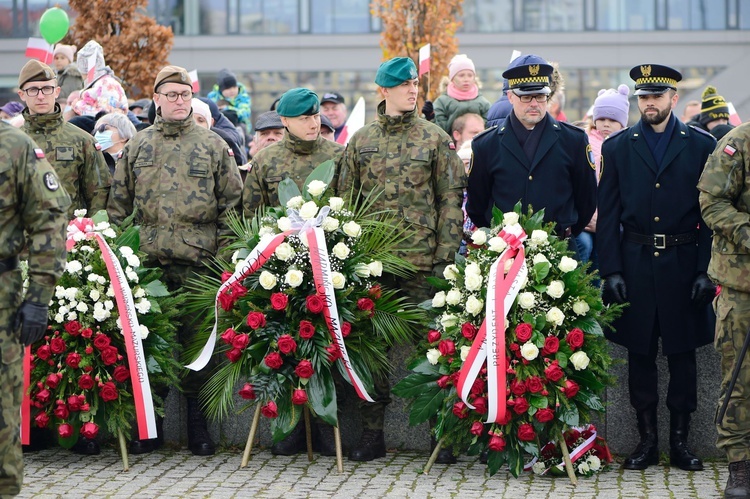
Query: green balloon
point(53, 25)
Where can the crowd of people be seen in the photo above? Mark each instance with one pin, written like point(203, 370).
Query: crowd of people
point(624, 197)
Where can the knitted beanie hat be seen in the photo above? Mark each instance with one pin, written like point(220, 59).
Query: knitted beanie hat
point(459, 63)
point(613, 104)
point(713, 106)
point(67, 51)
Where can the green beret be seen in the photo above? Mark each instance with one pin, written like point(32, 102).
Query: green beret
point(172, 74)
point(35, 71)
point(396, 71)
point(298, 101)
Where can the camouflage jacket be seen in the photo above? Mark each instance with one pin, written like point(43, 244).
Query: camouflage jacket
point(725, 206)
point(33, 201)
point(183, 181)
point(290, 157)
point(75, 156)
point(415, 163)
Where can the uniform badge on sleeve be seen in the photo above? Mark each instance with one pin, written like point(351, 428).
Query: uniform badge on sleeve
point(730, 150)
point(452, 146)
point(50, 181)
point(98, 146)
point(39, 153)
point(590, 157)
point(231, 152)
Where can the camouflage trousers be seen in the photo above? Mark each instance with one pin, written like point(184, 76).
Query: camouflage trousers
point(11, 380)
point(732, 322)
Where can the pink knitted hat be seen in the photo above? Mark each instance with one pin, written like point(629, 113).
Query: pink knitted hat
point(613, 104)
point(66, 50)
point(459, 63)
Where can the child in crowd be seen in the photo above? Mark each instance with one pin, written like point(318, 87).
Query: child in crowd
point(69, 78)
point(464, 152)
point(232, 98)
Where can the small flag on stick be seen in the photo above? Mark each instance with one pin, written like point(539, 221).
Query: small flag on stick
point(194, 78)
point(424, 59)
point(39, 49)
point(90, 68)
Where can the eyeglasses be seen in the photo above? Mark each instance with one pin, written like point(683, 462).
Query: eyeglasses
point(34, 91)
point(172, 96)
point(528, 98)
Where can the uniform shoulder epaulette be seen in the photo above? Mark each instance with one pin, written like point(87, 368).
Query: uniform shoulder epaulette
point(484, 132)
point(614, 134)
point(699, 129)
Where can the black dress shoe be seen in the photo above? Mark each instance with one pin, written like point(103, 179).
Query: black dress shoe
point(324, 440)
point(445, 456)
point(39, 439)
point(371, 446)
point(294, 443)
point(86, 447)
point(142, 446)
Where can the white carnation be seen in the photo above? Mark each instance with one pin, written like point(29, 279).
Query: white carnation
point(510, 218)
point(109, 233)
point(70, 293)
point(338, 280)
point(295, 203)
point(88, 268)
point(293, 278)
point(79, 236)
point(438, 301)
point(555, 316)
point(376, 268)
point(341, 251)
point(59, 318)
point(529, 351)
point(284, 224)
point(265, 232)
point(583, 468)
point(465, 349)
point(336, 204)
point(103, 225)
point(82, 307)
point(556, 289)
point(71, 316)
point(453, 297)
point(267, 280)
point(581, 307)
point(352, 229)
point(539, 238)
point(433, 354)
point(79, 213)
point(134, 261)
point(594, 463)
point(109, 304)
point(86, 248)
point(474, 305)
point(125, 251)
point(110, 291)
point(497, 244)
point(451, 272)
point(139, 292)
point(330, 224)
point(316, 187)
point(73, 267)
point(144, 331)
point(64, 309)
point(284, 252)
point(473, 282)
point(132, 276)
point(59, 292)
point(143, 306)
point(538, 468)
point(579, 360)
point(308, 210)
point(567, 264)
point(479, 237)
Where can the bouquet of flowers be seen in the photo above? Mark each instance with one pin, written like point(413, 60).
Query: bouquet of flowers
point(80, 372)
point(588, 453)
point(540, 330)
point(302, 299)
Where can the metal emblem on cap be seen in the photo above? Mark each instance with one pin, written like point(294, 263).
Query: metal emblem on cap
point(47, 74)
point(534, 69)
point(646, 71)
point(183, 76)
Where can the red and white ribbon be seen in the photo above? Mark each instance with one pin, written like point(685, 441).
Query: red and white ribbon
point(575, 454)
point(26, 400)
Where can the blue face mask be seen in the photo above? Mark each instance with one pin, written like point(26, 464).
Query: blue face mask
point(104, 139)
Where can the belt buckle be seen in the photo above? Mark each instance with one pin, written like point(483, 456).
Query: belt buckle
point(663, 244)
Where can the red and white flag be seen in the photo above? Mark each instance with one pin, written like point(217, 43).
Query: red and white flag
point(355, 121)
point(39, 49)
point(90, 68)
point(424, 59)
point(194, 79)
point(734, 118)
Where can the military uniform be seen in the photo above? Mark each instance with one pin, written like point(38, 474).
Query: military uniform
point(32, 201)
point(725, 205)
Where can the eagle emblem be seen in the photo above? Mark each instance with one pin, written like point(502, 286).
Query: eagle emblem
point(534, 69)
point(646, 71)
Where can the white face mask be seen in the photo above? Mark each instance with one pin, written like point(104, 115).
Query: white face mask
point(104, 139)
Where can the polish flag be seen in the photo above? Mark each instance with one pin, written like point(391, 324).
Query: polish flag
point(91, 68)
point(39, 49)
point(734, 118)
point(355, 121)
point(194, 78)
point(424, 60)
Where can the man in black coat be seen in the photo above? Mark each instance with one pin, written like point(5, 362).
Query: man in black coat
point(658, 261)
point(532, 158)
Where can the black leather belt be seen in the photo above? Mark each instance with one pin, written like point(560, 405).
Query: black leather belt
point(661, 241)
point(10, 263)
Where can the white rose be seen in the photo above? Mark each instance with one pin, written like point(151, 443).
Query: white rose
point(59, 292)
point(59, 317)
point(538, 238)
point(581, 307)
point(433, 354)
point(316, 187)
point(438, 301)
point(539, 467)
point(295, 203)
point(109, 304)
point(73, 267)
point(110, 291)
point(479, 237)
point(341, 251)
point(139, 292)
point(293, 278)
point(330, 224)
point(555, 316)
point(451, 272)
point(567, 264)
point(376, 268)
point(70, 293)
point(134, 261)
point(539, 258)
point(267, 280)
point(144, 332)
point(594, 463)
point(143, 306)
point(88, 268)
point(448, 320)
point(336, 204)
point(308, 210)
point(64, 310)
point(72, 316)
point(109, 233)
point(338, 280)
point(95, 277)
point(101, 226)
point(362, 270)
point(453, 297)
point(510, 218)
point(473, 282)
point(125, 251)
point(497, 244)
point(284, 224)
point(265, 232)
point(474, 306)
point(529, 351)
point(284, 252)
point(583, 468)
point(82, 307)
point(579, 360)
point(465, 349)
point(473, 269)
point(132, 276)
point(526, 300)
point(352, 229)
point(79, 213)
point(556, 289)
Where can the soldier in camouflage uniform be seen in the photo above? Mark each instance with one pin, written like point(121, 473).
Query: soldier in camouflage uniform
point(725, 206)
point(74, 154)
point(295, 156)
point(182, 181)
point(415, 164)
point(31, 202)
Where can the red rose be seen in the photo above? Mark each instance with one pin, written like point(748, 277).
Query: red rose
point(442, 381)
point(226, 301)
point(73, 359)
point(468, 330)
point(575, 338)
point(299, 397)
point(228, 335)
point(366, 305)
point(476, 428)
point(521, 405)
point(87, 333)
point(375, 292)
point(89, 350)
point(75, 402)
point(101, 341)
point(534, 384)
point(41, 420)
point(346, 329)
point(523, 332)
point(57, 345)
point(121, 374)
point(256, 320)
point(90, 430)
point(73, 327)
point(544, 415)
point(241, 341)
point(61, 410)
point(53, 380)
point(108, 392)
point(551, 345)
point(43, 352)
point(447, 348)
point(109, 355)
point(65, 430)
point(571, 436)
point(287, 344)
point(314, 304)
point(517, 387)
point(270, 410)
point(274, 360)
point(506, 419)
point(480, 405)
point(86, 382)
point(306, 330)
point(247, 392)
point(225, 276)
point(304, 369)
point(43, 396)
point(497, 443)
point(333, 352)
point(526, 432)
point(477, 388)
point(85, 407)
point(554, 372)
point(460, 410)
point(570, 389)
point(433, 336)
point(279, 301)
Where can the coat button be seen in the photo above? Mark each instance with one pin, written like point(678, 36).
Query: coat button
point(656, 253)
point(658, 185)
point(531, 177)
point(656, 219)
point(388, 181)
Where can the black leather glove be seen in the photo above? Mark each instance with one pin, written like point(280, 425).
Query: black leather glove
point(703, 291)
point(614, 290)
point(428, 110)
point(32, 318)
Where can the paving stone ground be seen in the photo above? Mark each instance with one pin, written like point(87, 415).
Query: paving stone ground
point(170, 473)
